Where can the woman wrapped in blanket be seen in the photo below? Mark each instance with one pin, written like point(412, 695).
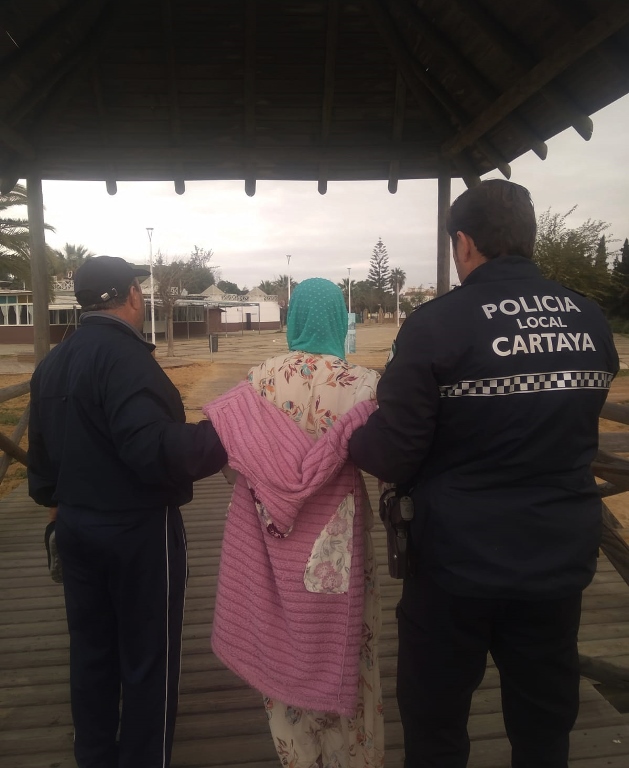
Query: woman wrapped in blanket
point(314, 386)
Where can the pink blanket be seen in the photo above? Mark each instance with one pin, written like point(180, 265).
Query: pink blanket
point(294, 645)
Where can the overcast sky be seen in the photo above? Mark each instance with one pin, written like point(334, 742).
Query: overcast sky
point(327, 234)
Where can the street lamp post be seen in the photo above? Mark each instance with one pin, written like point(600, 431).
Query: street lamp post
point(149, 232)
point(288, 258)
point(397, 300)
point(349, 290)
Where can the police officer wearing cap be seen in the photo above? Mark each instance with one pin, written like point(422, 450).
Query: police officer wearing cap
point(489, 410)
point(109, 446)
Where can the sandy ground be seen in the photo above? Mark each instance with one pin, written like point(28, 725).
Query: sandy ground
point(201, 376)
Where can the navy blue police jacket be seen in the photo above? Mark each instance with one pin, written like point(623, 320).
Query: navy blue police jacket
point(489, 407)
point(107, 427)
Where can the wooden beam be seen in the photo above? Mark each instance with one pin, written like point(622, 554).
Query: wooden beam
point(22, 71)
point(613, 469)
point(575, 14)
point(614, 546)
point(456, 113)
point(103, 123)
point(428, 34)
point(409, 71)
point(250, 92)
point(9, 179)
point(13, 450)
point(603, 26)
point(16, 437)
point(14, 390)
point(331, 43)
point(54, 92)
point(444, 185)
point(616, 412)
point(616, 442)
point(379, 153)
point(398, 129)
point(39, 268)
point(173, 89)
point(519, 55)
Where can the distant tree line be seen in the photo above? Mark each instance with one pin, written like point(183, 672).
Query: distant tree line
point(580, 258)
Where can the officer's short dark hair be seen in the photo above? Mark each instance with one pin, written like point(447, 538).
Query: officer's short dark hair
point(499, 217)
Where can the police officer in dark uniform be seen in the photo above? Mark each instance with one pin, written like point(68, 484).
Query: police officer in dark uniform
point(108, 445)
point(489, 409)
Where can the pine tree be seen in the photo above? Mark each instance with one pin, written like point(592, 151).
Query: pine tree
point(379, 274)
point(600, 260)
point(620, 283)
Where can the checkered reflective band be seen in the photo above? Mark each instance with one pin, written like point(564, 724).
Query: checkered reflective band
point(531, 382)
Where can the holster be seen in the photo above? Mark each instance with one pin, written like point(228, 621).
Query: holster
point(397, 512)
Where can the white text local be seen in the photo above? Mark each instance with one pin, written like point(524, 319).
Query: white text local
point(543, 342)
point(532, 304)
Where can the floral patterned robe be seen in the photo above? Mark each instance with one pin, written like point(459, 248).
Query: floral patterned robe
point(314, 390)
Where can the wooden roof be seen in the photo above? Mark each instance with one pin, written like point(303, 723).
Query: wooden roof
point(298, 89)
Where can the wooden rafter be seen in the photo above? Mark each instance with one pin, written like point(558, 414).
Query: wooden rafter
point(173, 89)
point(53, 91)
point(250, 92)
point(428, 34)
point(614, 18)
point(407, 68)
point(576, 14)
point(398, 130)
point(331, 43)
point(65, 30)
point(446, 102)
point(520, 55)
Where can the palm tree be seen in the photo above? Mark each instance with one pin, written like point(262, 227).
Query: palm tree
point(71, 257)
point(15, 249)
point(345, 286)
point(398, 278)
point(267, 286)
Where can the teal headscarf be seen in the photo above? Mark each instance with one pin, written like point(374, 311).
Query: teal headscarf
point(317, 318)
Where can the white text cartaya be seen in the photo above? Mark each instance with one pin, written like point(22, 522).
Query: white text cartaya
point(543, 342)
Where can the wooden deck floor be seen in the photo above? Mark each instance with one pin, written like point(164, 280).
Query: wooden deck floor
point(221, 721)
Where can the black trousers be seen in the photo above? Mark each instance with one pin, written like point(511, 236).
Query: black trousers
point(444, 640)
point(124, 576)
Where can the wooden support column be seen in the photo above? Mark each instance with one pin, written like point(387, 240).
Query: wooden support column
point(39, 266)
point(444, 182)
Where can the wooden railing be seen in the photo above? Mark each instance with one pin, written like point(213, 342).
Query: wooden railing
point(614, 470)
point(11, 445)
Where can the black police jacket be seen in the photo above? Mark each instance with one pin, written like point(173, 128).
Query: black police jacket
point(490, 407)
point(107, 427)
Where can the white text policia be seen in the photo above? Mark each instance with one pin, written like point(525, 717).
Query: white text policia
point(543, 304)
point(538, 342)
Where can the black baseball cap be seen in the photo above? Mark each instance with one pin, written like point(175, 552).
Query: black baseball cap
point(102, 278)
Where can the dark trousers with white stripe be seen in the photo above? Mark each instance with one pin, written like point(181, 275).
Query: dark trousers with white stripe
point(124, 576)
point(444, 640)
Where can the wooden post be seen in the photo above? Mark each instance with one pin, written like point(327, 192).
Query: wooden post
point(39, 267)
point(443, 240)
